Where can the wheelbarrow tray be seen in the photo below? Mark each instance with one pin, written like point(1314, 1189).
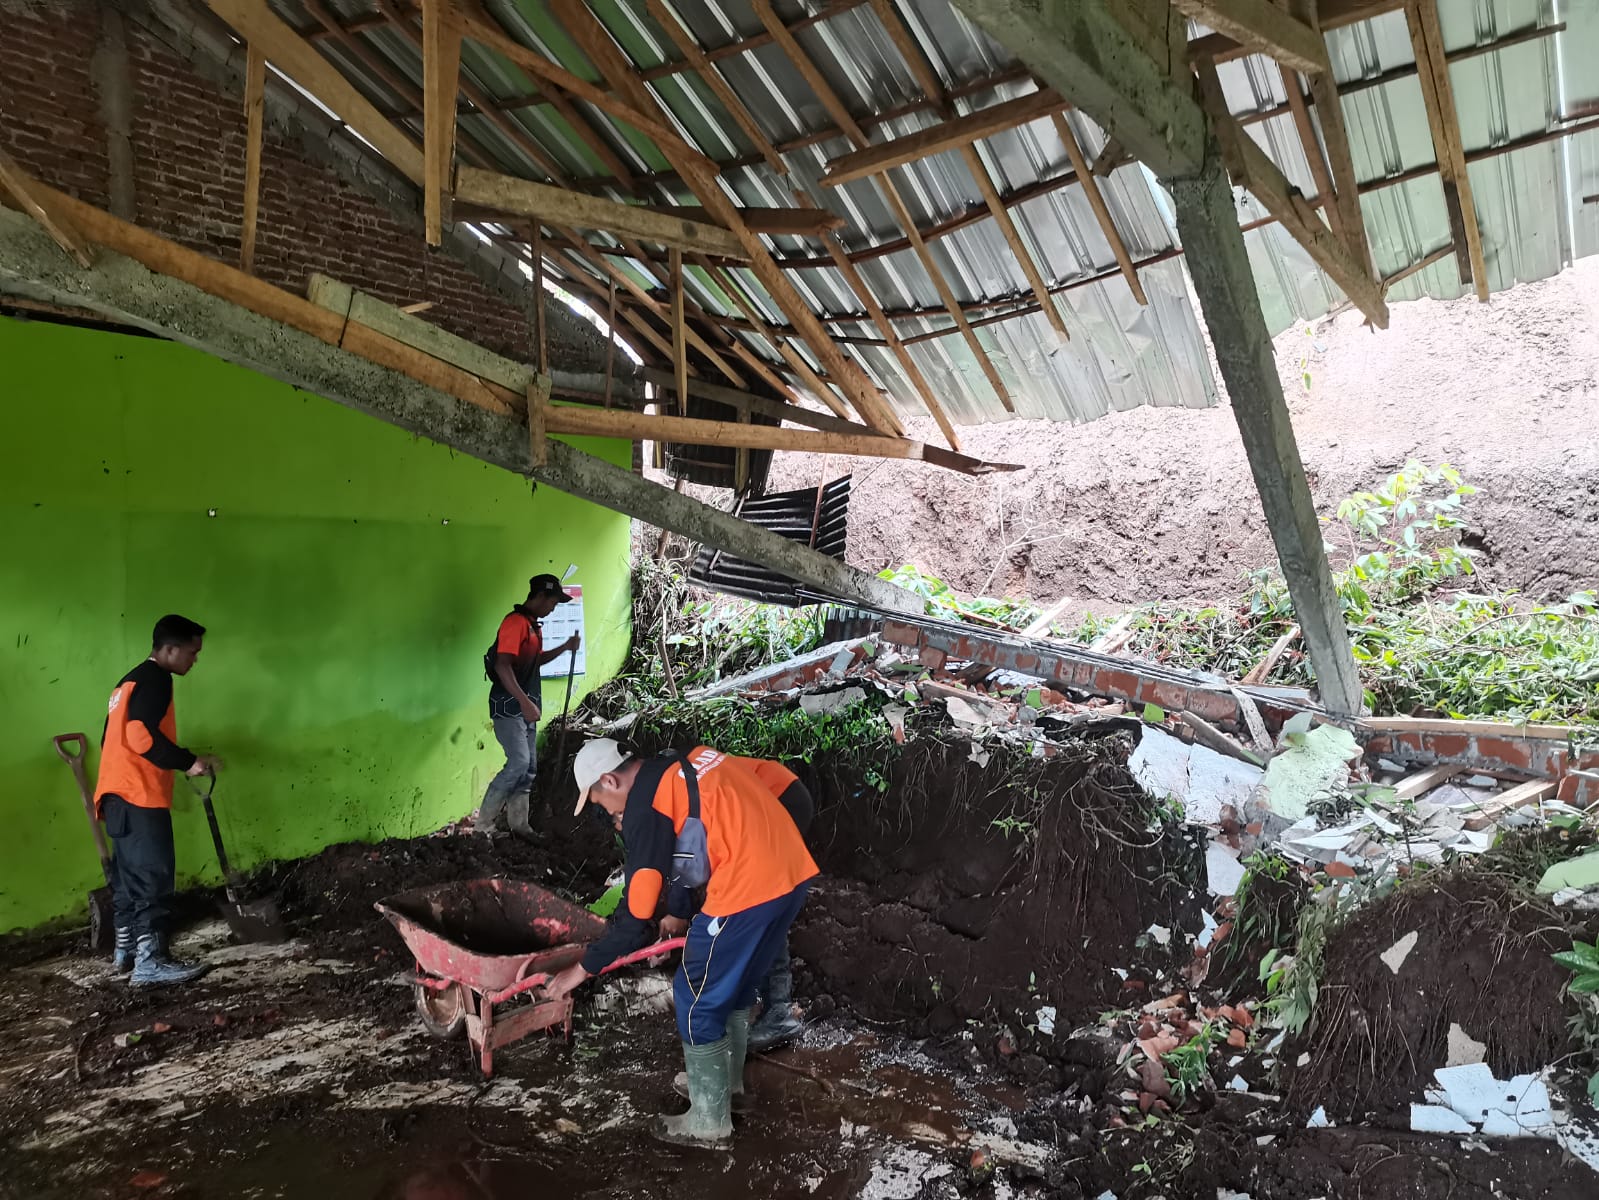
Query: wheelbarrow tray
point(490, 933)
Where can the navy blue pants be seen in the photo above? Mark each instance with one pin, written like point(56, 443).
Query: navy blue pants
point(724, 962)
point(143, 865)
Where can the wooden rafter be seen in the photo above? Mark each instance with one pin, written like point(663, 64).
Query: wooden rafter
point(933, 87)
point(1335, 135)
point(254, 100)
point(679, 341)
point(1263, 28)
point(1319, 170)
point(33, 199)
point(288, 52)
point(780, 222)
point(694, 56)
point(1096, 201)
point(1253, 169)
point(945, 135)
point(596, 43)
point(620, 423)
point(835, 107)
point(441, 81)
point(1426, 38)
point(554, 205)
point(480, 100)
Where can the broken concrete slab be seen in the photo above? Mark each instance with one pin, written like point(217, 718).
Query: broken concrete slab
point(1434, 1118)
point(1580, 873)
point(1313, 764)
point(1160, 764)
point(1394, 957)
point(1463, 1049)
point(1223, 871)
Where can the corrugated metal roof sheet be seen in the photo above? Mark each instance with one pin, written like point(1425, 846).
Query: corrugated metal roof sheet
point(817, 517)
point(1121, 354)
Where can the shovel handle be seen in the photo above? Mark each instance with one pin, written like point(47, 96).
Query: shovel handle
point(75, 761)
point(63, 740)
point(204, 791)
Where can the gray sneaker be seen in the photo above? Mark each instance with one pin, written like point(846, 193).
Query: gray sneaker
point(152, 967)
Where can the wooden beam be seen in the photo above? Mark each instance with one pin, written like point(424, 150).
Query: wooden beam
point(1207, 222)
point(902, 215)
point(679, 343)
point(34, 201)
point(1254, 170)
point(707, 71)
point(1415, 268)
point(1334, 14)
point(538, 404)
point(560, 206)
point(642, 427)
point(1414, 786)
point(780, 222)
point(288, 52)
point(254, 96)
point(743, 401)
point(1096, 201)
point(1319, 170)
point(441, 81)
point(1013, 239)
point(1497, 808)
point(1351, 222)
point(1260, 671)
point(699, 172)
point(1426, 39)
point(945, 135)
point(863, 293)
point(1262, 28)
point(1087, 55)
point(480, 26)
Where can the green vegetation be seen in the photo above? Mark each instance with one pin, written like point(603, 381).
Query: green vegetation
point(1583, 960)
point(940, 600)
point(1423, 642)
point(1188, 1066)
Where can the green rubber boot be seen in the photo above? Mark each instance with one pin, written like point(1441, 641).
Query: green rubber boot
point(708, 1123)
point(738, 1047)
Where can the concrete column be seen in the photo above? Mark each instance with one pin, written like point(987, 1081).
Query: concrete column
point(1213, 245)
point(113, 83)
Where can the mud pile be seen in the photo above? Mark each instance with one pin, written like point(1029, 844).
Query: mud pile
point(998, 890)
point(1481, 961)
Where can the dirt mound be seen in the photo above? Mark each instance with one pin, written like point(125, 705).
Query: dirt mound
point(1481, 960)
point(989, 890)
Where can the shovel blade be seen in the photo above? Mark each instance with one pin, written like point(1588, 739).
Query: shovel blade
point(255, 923)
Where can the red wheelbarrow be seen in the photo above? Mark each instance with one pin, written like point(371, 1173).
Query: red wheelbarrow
point(481, 943)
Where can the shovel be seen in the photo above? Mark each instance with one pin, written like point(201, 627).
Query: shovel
point(257, 922)
point(101, 925)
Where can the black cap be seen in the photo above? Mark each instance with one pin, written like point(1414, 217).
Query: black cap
point(547, 585)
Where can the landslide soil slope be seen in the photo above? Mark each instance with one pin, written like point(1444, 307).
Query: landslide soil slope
point(1158, 504)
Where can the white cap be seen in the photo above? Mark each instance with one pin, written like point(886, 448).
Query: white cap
point(595, 759)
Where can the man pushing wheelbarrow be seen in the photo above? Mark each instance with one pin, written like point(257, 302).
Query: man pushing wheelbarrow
point(693, 820)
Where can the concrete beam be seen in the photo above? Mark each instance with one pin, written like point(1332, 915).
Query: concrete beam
point(1080, 49)
point(1208, 224)
point(122, 290)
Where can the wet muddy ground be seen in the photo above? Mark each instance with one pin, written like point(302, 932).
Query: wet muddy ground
point(927, 960)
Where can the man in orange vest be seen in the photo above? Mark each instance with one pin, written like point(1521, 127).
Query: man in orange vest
point(133, 795)
point(689, 819)
point(513, 664)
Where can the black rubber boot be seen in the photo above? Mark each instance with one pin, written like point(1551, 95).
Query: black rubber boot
point(778, 1024)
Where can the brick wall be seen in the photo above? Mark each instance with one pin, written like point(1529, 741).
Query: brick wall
point(188, 136)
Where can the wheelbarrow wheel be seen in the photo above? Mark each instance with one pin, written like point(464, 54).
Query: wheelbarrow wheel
point(443, 1012)
point(102, 925)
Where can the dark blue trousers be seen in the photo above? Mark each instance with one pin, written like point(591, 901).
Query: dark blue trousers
point(143, 865)
point(725, 960)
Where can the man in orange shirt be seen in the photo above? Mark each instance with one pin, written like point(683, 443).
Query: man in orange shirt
point(133, 795)
point(688, 820)
point(512, 665)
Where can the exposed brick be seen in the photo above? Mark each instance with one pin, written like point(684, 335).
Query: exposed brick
point(188, 139)
point(1510, 753)
point(1449, 745)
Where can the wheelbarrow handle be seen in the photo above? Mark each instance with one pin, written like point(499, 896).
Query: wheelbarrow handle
point(666, 946)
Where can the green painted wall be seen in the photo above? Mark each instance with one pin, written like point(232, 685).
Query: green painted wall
point(351, 578)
